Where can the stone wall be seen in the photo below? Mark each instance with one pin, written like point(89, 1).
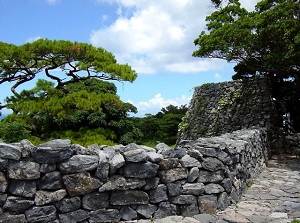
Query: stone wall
point(219, 108)
point(62, 182)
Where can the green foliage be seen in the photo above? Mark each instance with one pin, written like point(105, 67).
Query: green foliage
point(76, 61)
point(87, 136)
point(295, 221)
point(264, 42)
point(89, 104)
point(13, 132)
point(162, 127)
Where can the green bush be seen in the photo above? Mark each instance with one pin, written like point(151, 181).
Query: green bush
point(13, 132)
point(85, 136)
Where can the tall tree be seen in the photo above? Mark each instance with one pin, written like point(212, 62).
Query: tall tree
point(76, 61)
point(263, 42)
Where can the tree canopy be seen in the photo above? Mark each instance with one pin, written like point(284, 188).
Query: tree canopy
point(89, 106)
point(75, 61)
point(263, 42)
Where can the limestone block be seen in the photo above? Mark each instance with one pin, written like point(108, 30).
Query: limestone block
point(68, 204)
point(8, 151)
point(129, 197)
point(165, 209)
point(213, 188)
point(171, 175)
point(105, 215)
point(3, 183)
point(116, 162)
point(174, 188)
point(51, 154)
point(154, 157)
point(95, 200)
point(193, 188)
point(23, 170)
point(17, 204)
point(102, 171)
point(79, 163)
point(80, 183)
point(159, 194)
point(212, 164)
point(208, 204)
point(51, 181)
point(24, 188)
point(137, 155)
point(166, 164)
point(188, 161)
point(174, 153)
point(140, 170)
point(75, 216)
point(127, 213)
point(210, 177)
point(41, 214)
point(45, 197)
point(183, 199)
point(146, 210)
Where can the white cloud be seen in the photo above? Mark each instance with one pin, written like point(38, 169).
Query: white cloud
point(6, 111)
point(52, 2)
point(158, 35)
point(155, 104)
point(32, 39)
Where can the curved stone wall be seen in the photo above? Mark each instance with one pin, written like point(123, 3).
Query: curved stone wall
point(218, 108)
point(62, 182)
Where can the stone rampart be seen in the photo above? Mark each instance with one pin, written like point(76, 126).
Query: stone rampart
point(218, 108)
point(62, 182)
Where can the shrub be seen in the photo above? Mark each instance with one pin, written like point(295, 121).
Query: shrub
point(13, 132)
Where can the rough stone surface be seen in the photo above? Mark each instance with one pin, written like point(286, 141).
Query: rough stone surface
point(8, 218)
point(165, 209)
point(78, 163)
point(174, 188)
point(95, 200)
point(116, 162)
point(188, 161)
point(68, 204)
point(166, 164)
point(41, 214)
point(137, 155)
point(225, 107)
point(127, 213)
point(3, 183)
point(51, 181)
point(171, 175)
point(159, 194)
point(46, 154)
point(46, 197)
point(75, 216)
point(193, 188)
point(23, 170)
point(80, 183)
point(102, 215)
point(132, 182)
point(118, 182)
point(146, 210)
point(17, 204)
point(193, 174)
point(102, 171)
point(140, 170)
point(210, 177)
point(9, 152)
point(212, 164)
point(129, 197)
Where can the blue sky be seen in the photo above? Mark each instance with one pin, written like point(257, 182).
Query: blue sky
point(155, 37)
